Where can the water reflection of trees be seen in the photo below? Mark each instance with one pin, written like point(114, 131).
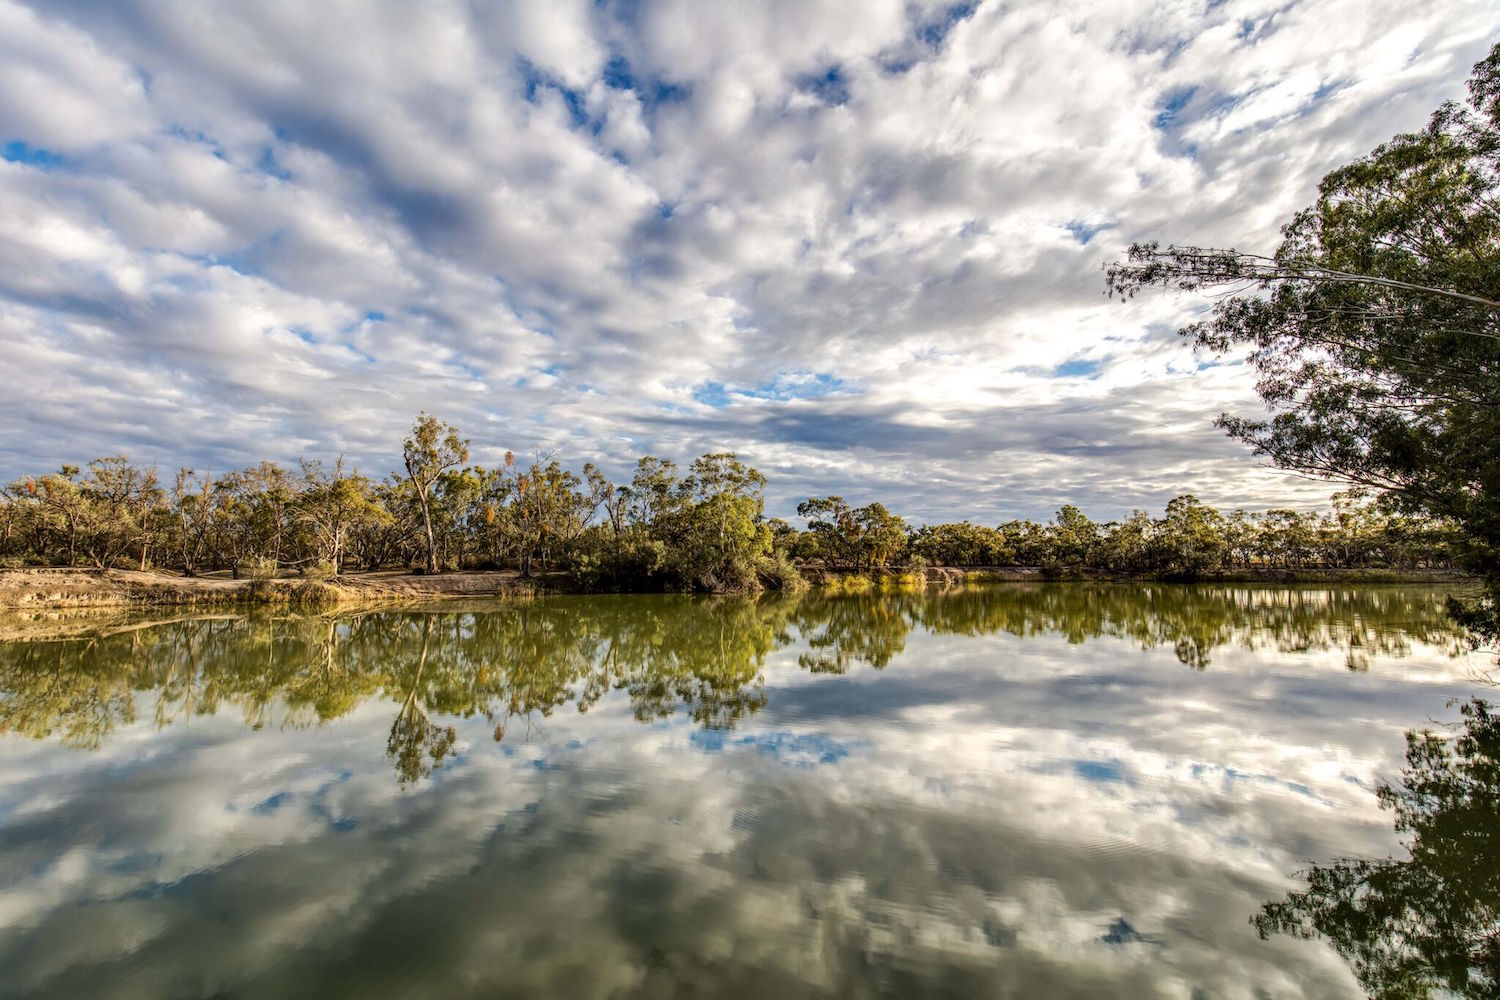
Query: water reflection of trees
point(1430, 924)
point(1195, 621)
point(513, 664)
point(517, 664)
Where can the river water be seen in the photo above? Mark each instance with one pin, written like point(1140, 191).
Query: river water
point(1009, 790)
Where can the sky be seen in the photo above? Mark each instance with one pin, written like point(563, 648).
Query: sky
point(860, 243)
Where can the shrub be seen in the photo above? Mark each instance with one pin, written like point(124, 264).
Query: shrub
point(778, 572)
point(320, 570)
point(260, 568)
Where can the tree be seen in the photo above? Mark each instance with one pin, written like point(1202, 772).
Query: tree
point(1074, 537)
point(192, 514)
point(1375, 326)
point(718, 532)
point(433, 448)
point(332, 505)
point(830, 523)
point(1191, 537)
point(112, 509)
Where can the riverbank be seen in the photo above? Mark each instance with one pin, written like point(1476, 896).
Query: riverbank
point(46, 589)
point(54, 589)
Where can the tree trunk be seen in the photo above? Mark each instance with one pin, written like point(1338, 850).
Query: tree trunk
point(432, 562)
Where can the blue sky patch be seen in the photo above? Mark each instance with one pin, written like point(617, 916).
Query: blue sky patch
point(1099, 770)
point(17, 151)
point(1083, 232)
point(272, 803)
point(534, 82)
point(935, 32)
point(1172, 105)
point(267, 165)
point(783, 387)
point(830, 86)
point(798, 749)
point(653, 91)
point(1079, 368)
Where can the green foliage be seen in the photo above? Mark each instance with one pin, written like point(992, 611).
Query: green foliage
point(1193, 540)
point(430, 451)
point(705, 530)
point(261, 568)
point(1374, 329)
point(331, 506)
point(323, 569)
point(961, 544)
point(870, 538)
point(777, 572)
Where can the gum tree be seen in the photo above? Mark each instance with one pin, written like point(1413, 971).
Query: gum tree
point(1374, 329)
point(432, 448)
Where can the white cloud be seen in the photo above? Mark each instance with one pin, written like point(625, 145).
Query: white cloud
point(234, 232)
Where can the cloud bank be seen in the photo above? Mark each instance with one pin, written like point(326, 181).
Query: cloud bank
point(860, 243)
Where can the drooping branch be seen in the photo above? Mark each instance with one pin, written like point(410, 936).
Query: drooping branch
point(1191, 268)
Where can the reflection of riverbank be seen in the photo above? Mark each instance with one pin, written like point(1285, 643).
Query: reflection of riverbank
point(700, 657)
point(51, 590)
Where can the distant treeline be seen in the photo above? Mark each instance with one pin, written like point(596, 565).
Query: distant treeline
point(704, 528)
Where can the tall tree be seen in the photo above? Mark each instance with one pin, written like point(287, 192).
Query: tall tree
point(432, 449)
point(1375, 326)
point(333, 504)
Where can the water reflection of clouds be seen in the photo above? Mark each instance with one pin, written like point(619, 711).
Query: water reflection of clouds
point(953, 822)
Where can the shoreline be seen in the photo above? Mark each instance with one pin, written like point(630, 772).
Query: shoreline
point(51, 603)
point(53, 588)
point(48, 589)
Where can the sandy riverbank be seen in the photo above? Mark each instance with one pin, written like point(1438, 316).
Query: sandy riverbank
point(24, 589)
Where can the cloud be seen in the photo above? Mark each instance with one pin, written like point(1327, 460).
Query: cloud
point(229, 233)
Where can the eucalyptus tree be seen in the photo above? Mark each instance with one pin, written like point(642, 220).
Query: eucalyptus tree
point(191, 503)
point(1073, 536)
point(653, 493)
point(830, 522)
point(60, 510)
point(431, 449)
point(128, 500)
point(1374, 328)
point(720, 533)
point(1192, 537)
point(333, 504)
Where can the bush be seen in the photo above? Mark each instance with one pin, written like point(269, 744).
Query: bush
point(778, 572)
point(314, 595)
point(260, 568)
point(320, 570)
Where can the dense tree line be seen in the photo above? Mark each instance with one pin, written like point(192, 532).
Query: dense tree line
point(1192, 539)
point(704, 528)
point(664, 529)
